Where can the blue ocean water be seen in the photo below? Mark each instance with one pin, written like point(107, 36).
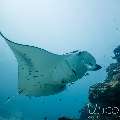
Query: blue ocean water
point(59, 27)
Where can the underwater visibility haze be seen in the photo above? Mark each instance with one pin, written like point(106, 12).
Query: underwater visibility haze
point(51, 53)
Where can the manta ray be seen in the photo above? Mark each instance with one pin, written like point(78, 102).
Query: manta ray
point(42, 73)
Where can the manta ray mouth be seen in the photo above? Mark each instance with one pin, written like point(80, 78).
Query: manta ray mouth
point(97, 67)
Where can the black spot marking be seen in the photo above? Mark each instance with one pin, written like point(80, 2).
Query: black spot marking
point(23, 68)
point(35, 76)
point(20, 91)
point(90, 64)
point(29, 73)
point(74, 51)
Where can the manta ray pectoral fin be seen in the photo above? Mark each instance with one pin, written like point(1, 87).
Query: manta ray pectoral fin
point(10, 43)
point(35, 66)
